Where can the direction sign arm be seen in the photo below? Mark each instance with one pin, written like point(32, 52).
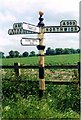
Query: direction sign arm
point(30, 27)
point(29, 41)
point(61, 29)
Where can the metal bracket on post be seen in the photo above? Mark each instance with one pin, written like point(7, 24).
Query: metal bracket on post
point(41, 48)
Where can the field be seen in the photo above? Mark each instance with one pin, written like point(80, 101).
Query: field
point(52, 60)
point(21, 98)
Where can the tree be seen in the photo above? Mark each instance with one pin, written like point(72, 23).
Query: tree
point(16, 54)
point(1, 54)
point(78, 51)
point(50, 51)
point(32, 53)
point(11, 53)
point(72, 51)
point(25, 54)
point(59, 51)
point(66, 51)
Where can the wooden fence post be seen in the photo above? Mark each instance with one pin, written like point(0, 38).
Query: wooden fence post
point(16, 69)
point(41, 48)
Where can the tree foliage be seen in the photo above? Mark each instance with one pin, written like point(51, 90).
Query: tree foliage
point(16, 54)
point(49, 51)
point(13, 54)
point(59, 51)
point(25, 54)
point(1, 54)
point(32, 53)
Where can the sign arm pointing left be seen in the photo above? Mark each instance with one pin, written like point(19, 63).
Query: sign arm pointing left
point(29, 41)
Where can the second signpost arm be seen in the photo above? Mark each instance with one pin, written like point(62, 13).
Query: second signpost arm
point(41, 48)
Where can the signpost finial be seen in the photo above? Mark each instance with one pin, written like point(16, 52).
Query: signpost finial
point(40, 24)
point(41, 13)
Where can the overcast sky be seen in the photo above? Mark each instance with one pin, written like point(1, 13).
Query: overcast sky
point(15, 11)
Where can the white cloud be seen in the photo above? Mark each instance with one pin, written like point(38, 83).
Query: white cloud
point(18, 6)
point(62, 40)
point(22, 6)
point(63, 5)
point(7, 16)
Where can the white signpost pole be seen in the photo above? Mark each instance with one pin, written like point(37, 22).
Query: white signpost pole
point(41, 48)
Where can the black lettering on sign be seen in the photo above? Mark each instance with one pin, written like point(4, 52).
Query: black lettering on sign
point(71, 28)
point(70, 23)
point(53, 28)
point(19, 25)
point(64, 23)
point(61, 29)
point(57, 28)
point(50, 29)
point(65, 29)
point(10, 31)
point(75, 28)
point(14, 25)
point(67, 23)
point(74, 23)
point(47, 30)
point(20, 30)
point(13, 31)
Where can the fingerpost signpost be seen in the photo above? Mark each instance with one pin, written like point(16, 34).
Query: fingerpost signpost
point(66, 26)
point(41, 48)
